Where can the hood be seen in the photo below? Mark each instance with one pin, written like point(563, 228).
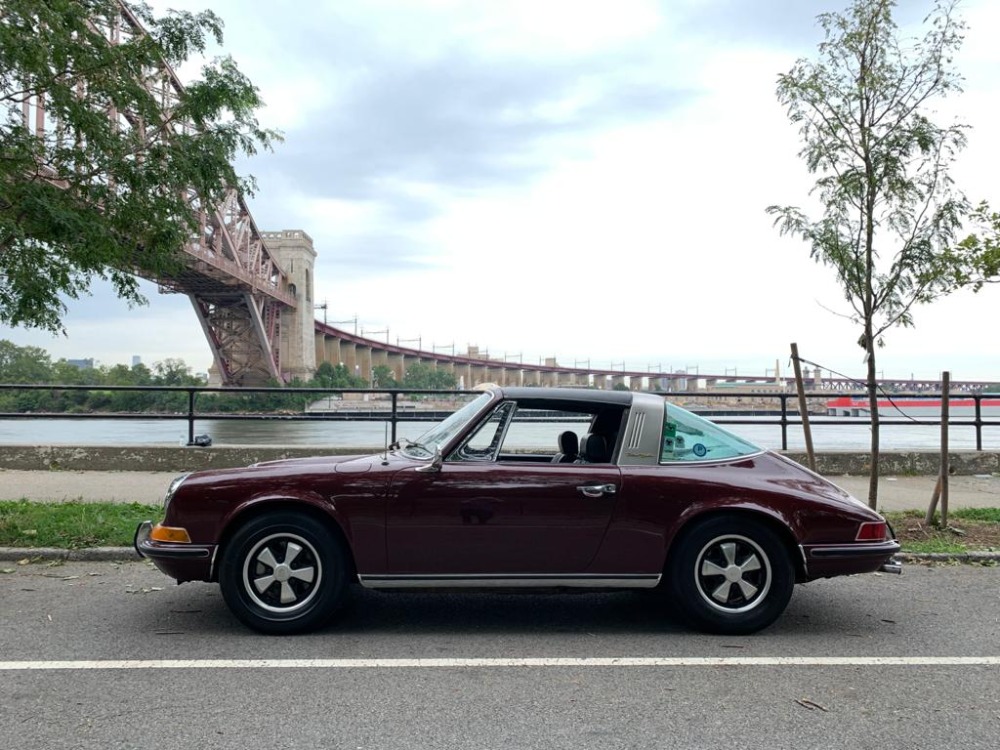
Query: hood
point(306, 462)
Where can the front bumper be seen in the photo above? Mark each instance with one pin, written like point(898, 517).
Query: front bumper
point(184, 562)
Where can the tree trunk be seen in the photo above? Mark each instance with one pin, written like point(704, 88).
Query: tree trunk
point(873, 406)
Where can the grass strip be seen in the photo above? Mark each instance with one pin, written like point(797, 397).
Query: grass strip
point(969, 530)
point(73, 525)
point(987, 515)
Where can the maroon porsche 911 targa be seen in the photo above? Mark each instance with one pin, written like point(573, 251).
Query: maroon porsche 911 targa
point(523, 488)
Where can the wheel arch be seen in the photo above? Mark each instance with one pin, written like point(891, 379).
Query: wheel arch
point(250, 511)
point(776, 525)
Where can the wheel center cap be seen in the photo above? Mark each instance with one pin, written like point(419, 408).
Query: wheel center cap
point(734, 573)
point(282, 573)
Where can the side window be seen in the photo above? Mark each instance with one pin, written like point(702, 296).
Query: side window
point(688, 437)
point(536, 431)
point(484, 443)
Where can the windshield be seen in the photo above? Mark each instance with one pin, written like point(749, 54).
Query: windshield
point(442, 433)
point(688, 437)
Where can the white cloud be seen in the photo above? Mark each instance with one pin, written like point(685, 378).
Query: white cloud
point(600, 235)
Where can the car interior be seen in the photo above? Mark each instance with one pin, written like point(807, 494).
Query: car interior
point(598, 444)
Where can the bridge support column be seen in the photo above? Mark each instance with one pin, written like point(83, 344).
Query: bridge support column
point(463, 375)
point(349, 356)
point(293, 251)
point(395, 362)
point(380, 358)
point(363, 367)
point(331, 351)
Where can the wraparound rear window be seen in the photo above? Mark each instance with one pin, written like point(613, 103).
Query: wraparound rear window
point(688, 437)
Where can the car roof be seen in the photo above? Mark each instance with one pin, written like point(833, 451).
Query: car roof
point(569, 395)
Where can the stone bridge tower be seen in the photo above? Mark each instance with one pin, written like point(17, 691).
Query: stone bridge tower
point(293, 250)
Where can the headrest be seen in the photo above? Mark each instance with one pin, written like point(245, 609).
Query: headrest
point(595, 449)
point(569, 443)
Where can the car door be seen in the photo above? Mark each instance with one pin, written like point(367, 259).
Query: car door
point(486, 517)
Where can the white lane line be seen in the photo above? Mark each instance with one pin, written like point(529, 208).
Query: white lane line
point(709, 661)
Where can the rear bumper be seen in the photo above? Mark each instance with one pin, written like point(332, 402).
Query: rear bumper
point(184, 562)
point(825, 560)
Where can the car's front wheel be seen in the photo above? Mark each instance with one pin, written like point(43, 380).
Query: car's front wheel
point(731, 575)
point(283, 572)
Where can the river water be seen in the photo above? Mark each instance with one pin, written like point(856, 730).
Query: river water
point(841, 434)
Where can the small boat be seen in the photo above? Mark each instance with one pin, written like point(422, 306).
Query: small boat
point(912, 406)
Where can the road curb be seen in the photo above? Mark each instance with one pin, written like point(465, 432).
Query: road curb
point(963, 557)
point(88, 554)
point(113, 554)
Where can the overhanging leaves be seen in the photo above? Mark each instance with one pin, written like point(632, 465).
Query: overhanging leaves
point(104, 186)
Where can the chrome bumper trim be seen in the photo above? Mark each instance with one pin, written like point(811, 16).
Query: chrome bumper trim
point(860, 549)
point(147, 548)
point(508, 581)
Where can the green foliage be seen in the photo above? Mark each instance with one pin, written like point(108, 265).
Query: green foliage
point(986, 515)
point(31, 365)
point(34, 366)
point(336, 376)
point(420, 376)
point(23, 364)
point(383, 377)
point(102, 191)
point(983, 248)
point(891, 216)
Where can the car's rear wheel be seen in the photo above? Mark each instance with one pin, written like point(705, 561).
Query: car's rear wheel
point(283, 572)
point(731, 575)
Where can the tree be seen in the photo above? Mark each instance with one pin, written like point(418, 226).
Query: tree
point(383, 377)
point(329, 375)
point(421, 376)
point(103, 189)
point(23, 364)
point(890, 212)
point(174, 372)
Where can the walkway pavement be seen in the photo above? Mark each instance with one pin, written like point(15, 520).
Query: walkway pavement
point(895, 493)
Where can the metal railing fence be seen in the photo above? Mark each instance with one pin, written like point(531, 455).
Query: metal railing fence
point(394, 405)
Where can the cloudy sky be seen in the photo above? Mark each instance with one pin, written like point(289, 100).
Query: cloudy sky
point(583, 179)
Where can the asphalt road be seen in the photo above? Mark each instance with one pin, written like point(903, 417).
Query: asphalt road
point(668, 696)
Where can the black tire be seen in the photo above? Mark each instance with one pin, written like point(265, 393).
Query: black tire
point(283, 572)
point(730, 575)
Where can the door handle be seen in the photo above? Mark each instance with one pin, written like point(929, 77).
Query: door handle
point(596, 490)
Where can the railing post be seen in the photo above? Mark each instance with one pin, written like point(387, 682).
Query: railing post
point(394, 418)
point(190, 416)
point(978, 397)
point(784, 421)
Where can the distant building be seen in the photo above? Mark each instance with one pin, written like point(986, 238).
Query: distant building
point(82, 364)
point(136, 360)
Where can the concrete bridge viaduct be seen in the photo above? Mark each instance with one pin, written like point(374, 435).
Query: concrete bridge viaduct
point(305, 343)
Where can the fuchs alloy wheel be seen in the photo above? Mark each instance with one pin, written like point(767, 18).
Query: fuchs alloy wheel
point(283, 572)
point(731, 575)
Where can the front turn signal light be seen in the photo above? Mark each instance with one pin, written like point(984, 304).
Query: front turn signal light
point(174, 534)
point(872, 531)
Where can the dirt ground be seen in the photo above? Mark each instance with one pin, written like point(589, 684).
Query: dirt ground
point(974, 535)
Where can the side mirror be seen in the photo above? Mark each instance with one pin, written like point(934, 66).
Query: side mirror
point(435, 465)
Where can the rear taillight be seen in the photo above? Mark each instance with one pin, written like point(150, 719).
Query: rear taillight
point(872, 531)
